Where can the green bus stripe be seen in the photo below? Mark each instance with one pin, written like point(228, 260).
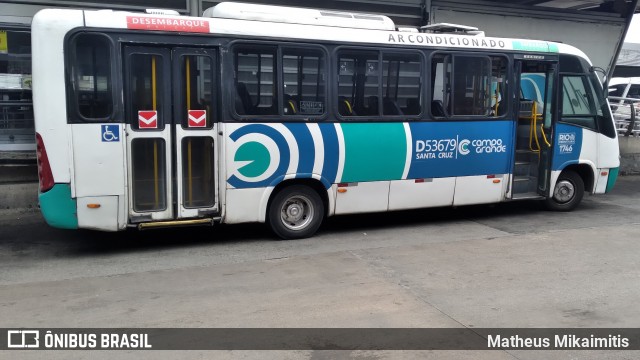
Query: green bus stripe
point(534, 45)
point(373, 151)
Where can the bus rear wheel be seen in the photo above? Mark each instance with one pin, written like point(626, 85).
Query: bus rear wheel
point(296, 212)
point(567, 193)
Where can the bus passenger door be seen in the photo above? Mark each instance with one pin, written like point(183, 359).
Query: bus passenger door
point(195, 130)
point(170, 133)
point(148, 127)
point(536, 81)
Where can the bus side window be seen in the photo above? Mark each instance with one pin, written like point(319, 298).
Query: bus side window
point(471, 85)
point(91, 76)
point(463, 85)
point(358, 83)
point(304, 81)
point(578, 105)
point(255, 80)
point(197, 85)
point(401, 81)
point(244, 104)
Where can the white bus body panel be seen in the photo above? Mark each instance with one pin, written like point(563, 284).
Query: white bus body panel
point(98, 172)
point(363, 198)
point(409, 194)
point(49, 28)
point(479, 190)
point(105, 218)
point(608, 158)
point(98, 165)
point(608, 152)
point(245, 205)
point(601, 181)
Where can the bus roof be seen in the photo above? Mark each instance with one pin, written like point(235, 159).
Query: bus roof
point(253, 25)
point(296, 15)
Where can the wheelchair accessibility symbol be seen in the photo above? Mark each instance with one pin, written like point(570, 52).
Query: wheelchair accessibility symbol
point(110, 133)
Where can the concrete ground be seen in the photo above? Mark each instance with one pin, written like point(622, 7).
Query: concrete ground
point(506, 265)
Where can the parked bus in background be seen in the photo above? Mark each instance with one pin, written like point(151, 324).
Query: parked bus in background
point(289, 115)
point(624, 95)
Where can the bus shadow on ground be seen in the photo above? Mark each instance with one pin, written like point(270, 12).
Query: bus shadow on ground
point(441, 215)
point(514, 217)
point(92, 242)
point(133, 239)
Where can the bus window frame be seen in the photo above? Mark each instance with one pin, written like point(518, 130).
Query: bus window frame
point(229, 79)
point(381, 51)
point(256, 46)
point(586, 80)
point(583, 67)
point(421, 94)
point(282, 47)
point(604, 126)
point(123, 37)
point(506, 116)
point(178, 81)
point(165, 98)
point(336, 82)
point(115, 55)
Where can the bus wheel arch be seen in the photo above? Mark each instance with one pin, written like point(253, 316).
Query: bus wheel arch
point(586, 172)
point(569, 188)
point(297, 208)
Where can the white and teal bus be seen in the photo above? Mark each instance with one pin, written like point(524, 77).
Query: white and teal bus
point(257, 113)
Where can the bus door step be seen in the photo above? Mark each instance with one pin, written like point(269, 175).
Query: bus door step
point(175, 223)
point(527, 196)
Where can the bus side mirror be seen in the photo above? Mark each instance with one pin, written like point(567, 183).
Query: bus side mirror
point(605, 82)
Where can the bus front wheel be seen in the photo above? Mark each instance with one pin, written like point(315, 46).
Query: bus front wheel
point(567, 193)
point(296, 212)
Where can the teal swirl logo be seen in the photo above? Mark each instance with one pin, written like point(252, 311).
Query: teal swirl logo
point(252, 159)
point(261, 157)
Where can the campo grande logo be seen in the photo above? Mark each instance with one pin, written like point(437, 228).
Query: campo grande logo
point(463, 147)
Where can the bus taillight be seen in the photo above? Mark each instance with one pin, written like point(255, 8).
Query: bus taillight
point(44, 169)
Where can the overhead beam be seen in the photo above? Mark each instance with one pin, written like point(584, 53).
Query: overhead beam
point(181, 6)
point(525, 9)
point(629, 16)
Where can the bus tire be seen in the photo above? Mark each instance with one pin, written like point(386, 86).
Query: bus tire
point(296, 212)
point(567, 193)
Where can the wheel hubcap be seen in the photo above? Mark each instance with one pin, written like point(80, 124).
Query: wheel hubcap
point(297, 212)
point(564, 191)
